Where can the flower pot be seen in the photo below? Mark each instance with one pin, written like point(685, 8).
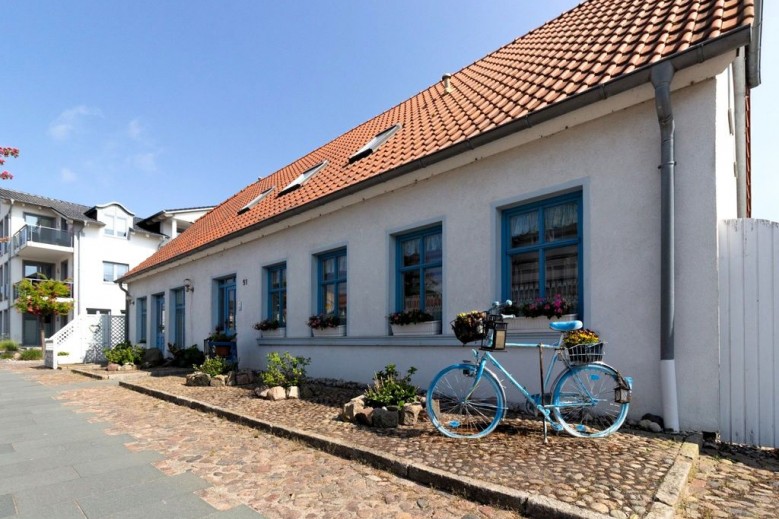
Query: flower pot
point(338, 331)
point(535, 323)
point(222, 349)
point(425, 328)
point(278, 332)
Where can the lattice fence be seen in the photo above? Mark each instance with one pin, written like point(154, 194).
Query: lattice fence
point(84, 339)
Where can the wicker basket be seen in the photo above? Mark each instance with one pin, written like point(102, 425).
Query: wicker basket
point(583, 353)
point(466, 334)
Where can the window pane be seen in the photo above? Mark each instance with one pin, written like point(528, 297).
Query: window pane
point(108, 271)
point(342, 267)
point(410, 252)
point(433, 291)
point(561, 222)
point(342, 302)
point(411, 290)
point(275, 279)
point(562, 273)
point(275, 304)
point(328, 294)
point(121, 270)
point(524, 277)
point(283, 280)
point(433, 248)
point(328, 269)
point(524, 229)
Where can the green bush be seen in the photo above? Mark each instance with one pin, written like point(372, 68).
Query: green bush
point(124, 353)
point(63, 353)
point(186, 357)
point(9, 345)
point(284, 370)
point(7, 355)
point(390, 389)
point(31, 354)
point(216, 366)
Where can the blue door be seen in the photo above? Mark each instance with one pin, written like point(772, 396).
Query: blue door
point(226, 308)
point(158, 326)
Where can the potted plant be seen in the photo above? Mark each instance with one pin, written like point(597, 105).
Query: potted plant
point(469, 326)
point(536, 314)
point(270, 328)
point(582, 346)
point(414, 322)
point(326, 325)
point(221, 343)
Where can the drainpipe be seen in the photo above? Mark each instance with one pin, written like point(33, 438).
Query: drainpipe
point(127, 299)
point(662, 74)
point(740, 126)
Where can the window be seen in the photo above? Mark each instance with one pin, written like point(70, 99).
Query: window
point(177, 298)
point(225, 305)
point(374, 143)
point(303, 177)
point(116, 225)
point(277, 293)
point(419, 271)
point(37, 270)
point(113, 271)
point(332, 284)
point(141, 316)
point(542, 250)
point(254, 201)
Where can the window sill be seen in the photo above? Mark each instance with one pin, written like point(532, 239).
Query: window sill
point(533, 336)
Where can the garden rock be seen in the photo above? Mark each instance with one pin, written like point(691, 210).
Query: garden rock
point(112, 367)
point(654, 418)
point(127, 367)
point(410, 414)
point(354, 406)
point(364, 416)
point(218, 381)
point(293, 392)
point(385, 418)
point(276, 393)
point(262, 392)
point(243, 378)
point(198, 379)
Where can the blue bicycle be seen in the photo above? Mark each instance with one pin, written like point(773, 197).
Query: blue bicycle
point(589, 398)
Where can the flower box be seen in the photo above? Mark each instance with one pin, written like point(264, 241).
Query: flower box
point(278, 332)
point(424, 328)
point(337, 331)
point(535, 323)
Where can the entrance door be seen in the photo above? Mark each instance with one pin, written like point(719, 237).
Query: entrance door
point(158, 323)
point(226, 310)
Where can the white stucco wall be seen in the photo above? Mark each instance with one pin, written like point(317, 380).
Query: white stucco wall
point(612, 159)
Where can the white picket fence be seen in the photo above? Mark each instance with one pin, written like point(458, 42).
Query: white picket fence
point(84, 339)
point(749, 332)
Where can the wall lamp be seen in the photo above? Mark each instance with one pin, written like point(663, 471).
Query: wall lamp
point(188, 286)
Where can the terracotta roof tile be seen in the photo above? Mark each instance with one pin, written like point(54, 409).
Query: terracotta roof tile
point(594, 43)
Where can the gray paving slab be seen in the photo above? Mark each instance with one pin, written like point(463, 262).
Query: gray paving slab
point(67, 509)
point(116, 462)
point(239, 512)
point(51, 445)
point(72, 453)
point(37, 429)
point(183, 506)
point(6, 448)
point(7, 508)
point(14, 483)
point(100, 462)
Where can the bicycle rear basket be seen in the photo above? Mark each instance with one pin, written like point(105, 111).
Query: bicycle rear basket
point(583, 353)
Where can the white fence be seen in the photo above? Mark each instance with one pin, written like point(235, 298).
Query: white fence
point(749, 332)
point(84, 339)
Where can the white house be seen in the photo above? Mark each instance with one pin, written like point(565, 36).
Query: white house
point(593, 157)
point(89, 247)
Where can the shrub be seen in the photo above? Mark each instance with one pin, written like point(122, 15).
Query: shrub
point(390, 389)
point(9, 345)
point(63, 353)
point(284, 370)
point(7, 355)
point(124, 353)
point(185, 357)
point(31, 354)
point(215, 366)
point(410, 317)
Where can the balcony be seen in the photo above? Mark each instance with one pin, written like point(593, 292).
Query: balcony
point(68, 283)
point(44, 243)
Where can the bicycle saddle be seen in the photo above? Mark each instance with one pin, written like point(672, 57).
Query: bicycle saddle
point(565, 326)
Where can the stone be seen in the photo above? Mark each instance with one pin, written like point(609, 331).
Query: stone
point(410, 414)
point(655, 427)
point(230, 378)
point(293, 392)
point(351, 409)
point(262, 392)
point(218, 381)
point(243, 378)
point(644, 424)
point(198, 379)
point(385, 418)
point(127, 367)
point(654, 418)
point(112, 367)
point(364, 416)
point(152, 356)
point(276, 393)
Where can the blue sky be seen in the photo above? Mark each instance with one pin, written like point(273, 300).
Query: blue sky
point(183, 103)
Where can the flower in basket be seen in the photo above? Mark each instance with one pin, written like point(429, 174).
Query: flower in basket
point(322, 321)
point(405, 317)
point(469, 326)
point(267, 324)
point(554, 307)
point(580, 336)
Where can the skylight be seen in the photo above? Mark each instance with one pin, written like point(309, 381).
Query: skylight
point(374, 143)
point(255, 201)
point(303, 177)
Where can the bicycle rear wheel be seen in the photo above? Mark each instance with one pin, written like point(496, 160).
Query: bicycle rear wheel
point(460, 406)
point(584, 401)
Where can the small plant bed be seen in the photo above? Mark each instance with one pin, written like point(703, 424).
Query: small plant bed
point(392, 400)
point(123, 356)
point(283, 377)
point(31, 354)
point(9, 349)
point(218, 372)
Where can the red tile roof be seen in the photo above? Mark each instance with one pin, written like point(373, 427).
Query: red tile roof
point(588, 48)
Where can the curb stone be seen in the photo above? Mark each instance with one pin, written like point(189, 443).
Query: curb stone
point(476, 490)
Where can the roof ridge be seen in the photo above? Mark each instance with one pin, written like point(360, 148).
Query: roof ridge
point(87, 207)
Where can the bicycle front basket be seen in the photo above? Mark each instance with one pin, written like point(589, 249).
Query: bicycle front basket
point(583, 353)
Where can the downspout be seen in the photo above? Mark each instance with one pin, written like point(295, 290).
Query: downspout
point(127, 299)
point(661, 75)
point(739, 130)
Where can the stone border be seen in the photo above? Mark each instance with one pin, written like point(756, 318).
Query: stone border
point(118, 375)
point(532, 505)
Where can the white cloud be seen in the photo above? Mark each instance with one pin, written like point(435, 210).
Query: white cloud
point(67, 175)
point(135, 129)
point(70, 121)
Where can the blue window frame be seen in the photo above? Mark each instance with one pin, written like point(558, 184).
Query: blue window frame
point(419, 258)
point(542, 250)
point(140, 323)
point(225, 305)
point(332, 284)
point(179, 307)
point(277, 293)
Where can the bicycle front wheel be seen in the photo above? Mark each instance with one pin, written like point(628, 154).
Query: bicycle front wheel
point(584, 401)
point(462, 406)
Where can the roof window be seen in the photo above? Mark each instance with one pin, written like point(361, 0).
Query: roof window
point(303, 177)
point(255, 201)
point(374, 143)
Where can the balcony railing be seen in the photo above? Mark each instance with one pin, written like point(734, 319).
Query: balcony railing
point(68, 283)
point(38, 234)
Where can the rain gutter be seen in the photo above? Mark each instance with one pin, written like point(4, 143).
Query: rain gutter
point(694, 55)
